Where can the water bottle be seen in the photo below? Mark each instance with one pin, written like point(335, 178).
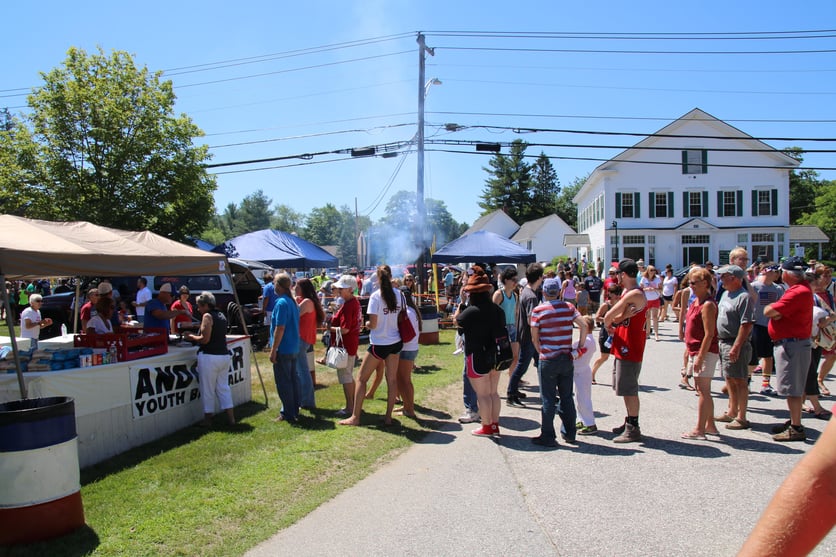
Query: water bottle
point(112, 353)
point(608, 342)
point(63, 329)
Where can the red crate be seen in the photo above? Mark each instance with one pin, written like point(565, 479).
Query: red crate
point(131, 344)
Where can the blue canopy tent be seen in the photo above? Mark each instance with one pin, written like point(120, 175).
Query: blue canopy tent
point(277, 249)
point(483, 246)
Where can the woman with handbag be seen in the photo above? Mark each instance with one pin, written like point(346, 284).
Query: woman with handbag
point(345, 331)
point(478, 325)
point(823, 299)
point(406, 363)
point(385, 305)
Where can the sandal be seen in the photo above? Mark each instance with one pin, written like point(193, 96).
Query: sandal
point(824, 391)
point(694, 436)
point(823, 415)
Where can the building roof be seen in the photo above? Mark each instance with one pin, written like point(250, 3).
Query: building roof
point(483, 222)
point(529, 229)
point(807, 233)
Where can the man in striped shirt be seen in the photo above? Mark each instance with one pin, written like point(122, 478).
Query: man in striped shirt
point(551, 333)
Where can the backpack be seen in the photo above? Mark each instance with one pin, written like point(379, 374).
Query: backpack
point(502, 344)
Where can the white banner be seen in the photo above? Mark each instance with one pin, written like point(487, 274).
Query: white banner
point(157, 387)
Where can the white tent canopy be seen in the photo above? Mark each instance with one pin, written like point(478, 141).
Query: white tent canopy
point(36, 248)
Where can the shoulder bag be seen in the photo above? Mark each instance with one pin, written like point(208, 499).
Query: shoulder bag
point(337, 356)
point(405, 327)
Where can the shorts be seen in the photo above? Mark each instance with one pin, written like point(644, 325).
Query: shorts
point(382, 352)
point(409, 355)
point(792, 361)
point(512, 332)
point(667, 298)
point(625, 377)
point(654, 303)
point(738, 369)
point(345, 375)
point(708, 367)
point(761, 343)
point(471, 372)
point(603, 335)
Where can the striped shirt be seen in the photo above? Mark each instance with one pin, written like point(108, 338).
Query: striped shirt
point(554, 320)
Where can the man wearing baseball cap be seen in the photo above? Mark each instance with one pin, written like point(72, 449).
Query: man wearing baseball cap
point(790, 323)
point(157, 314)
point(625, 323)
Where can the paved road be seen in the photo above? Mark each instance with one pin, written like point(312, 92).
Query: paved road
point(455, 494)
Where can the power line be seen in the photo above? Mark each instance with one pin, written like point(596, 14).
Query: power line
point(339, 132)
point(653, 118)
point(613, 51)
point(625, 147)
point(631, 35)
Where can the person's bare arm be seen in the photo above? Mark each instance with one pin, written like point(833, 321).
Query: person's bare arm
point(535, 338)
point(205, 332)
point(803, 510)
point(629, 305)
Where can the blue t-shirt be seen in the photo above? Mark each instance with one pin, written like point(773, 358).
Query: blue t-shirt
point(286, 313)
point(270, 295)
point(150, 320)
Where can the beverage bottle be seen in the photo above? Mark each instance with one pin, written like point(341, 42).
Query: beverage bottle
point(608, 342)
point(112, 353)
point(63, 329)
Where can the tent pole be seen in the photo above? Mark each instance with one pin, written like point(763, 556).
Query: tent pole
point(21, 383)
point(76, 304)
point(246, 331)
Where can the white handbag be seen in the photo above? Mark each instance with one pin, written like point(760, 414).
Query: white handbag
point(337, 356)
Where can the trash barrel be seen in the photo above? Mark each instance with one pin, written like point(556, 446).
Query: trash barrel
point(40, 480)
point(429, 325)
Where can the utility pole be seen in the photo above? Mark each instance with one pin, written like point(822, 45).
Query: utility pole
point(419, 199)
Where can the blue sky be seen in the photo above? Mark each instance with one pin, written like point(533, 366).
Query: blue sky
point(260, 106)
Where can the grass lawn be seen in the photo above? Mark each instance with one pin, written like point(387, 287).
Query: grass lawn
point(222, 491)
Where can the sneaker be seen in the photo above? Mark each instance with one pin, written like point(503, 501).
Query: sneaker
point(571, 441)
point(725, 418)
point(495, 431)
point(469, 417)
point(768, 391)
point(757, 371)
point(343, 413)
point(544, 441)
point(632, 434)
point(781, 428)
point(518, 394)
point(588, 430)
point(737, 424)
point(484, 431)
point(514, 401)
point(791, 434)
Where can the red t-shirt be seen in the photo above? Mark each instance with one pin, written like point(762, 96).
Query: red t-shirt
point(178, 305)
point(796, 309)
point(350, 317)
point(86, 312)
point(694, 330)
point(307, 325)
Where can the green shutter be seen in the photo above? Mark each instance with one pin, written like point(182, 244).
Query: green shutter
point(720, 207)
point(704, 161)
point(670, 204)
point(774, 202)
point(739, 203)
point(754, 203)
point(685, 162)
point(704, 204)
point(651, 204)
point(637, 213)
point(617, 205)
point(686, 207)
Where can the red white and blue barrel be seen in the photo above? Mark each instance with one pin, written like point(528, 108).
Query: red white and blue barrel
point(39, 475)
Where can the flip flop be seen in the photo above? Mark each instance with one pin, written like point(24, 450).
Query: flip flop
point(693, 436)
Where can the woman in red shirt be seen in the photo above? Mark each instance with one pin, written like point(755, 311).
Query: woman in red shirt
point(310, 315)
point(347, 320)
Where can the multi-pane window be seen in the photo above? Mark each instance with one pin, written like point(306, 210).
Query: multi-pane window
point(695, 161)
point(729, 203)
point(764, 203)
point(627, 207)
point(695, 203)
point(695, 239)
point(661, 204)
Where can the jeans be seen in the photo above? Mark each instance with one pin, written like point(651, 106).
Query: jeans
point(527, 353)
point(306, 386)
point(287, 384)
point(556, 379)
point(469, 395)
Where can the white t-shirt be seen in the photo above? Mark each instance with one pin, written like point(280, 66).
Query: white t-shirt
point(35, 317)
point(669, 286)
point(100, 325)
point(654, 284)
point(386, 332)
point(142, 297)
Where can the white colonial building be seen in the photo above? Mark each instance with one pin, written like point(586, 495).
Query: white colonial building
point(689, 193)
point(544, 236)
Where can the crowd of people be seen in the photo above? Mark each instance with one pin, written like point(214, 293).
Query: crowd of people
point(776, 320)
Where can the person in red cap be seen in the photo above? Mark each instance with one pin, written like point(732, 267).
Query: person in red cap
point(479, 322)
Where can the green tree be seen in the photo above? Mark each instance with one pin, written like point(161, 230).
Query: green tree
point(112, 151)
point(545, 188)
point(402, 212)
point(509, 184)
point(824, 214)
point(348, 236)
point(286, 219)
point(324, 226)
point(18, 158)
point(566, 208)
point(803, 187)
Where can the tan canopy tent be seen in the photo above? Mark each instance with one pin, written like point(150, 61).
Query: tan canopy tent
point(37, 248)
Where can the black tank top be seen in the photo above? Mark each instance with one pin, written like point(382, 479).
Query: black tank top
point(217, 340)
